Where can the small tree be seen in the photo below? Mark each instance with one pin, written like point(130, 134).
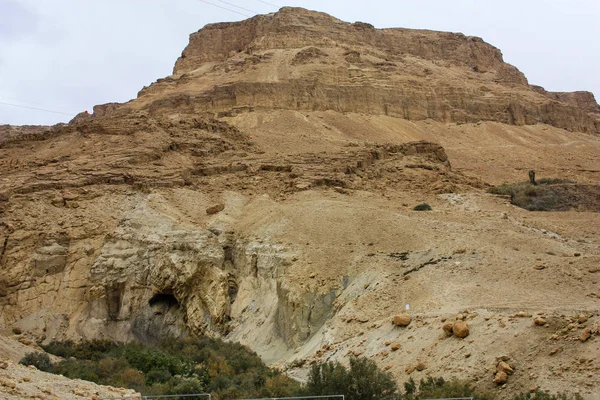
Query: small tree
point(367, 382)
point(364, 381)
point(327, 378)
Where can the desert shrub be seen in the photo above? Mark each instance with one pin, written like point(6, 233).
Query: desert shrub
point(422, 207)
point(131, 378)
point(541, 395)
point(181, 366)
point(39, 360)
point(554, 181)
point(541, 197)
point(363, 381)
point(432, 388)
point(62, 349)
point(157, 376)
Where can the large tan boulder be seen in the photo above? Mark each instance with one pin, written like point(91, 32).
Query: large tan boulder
point(500, 378)
point(585, 335)
point(460, 329)
point(447, 327)
point(402, 320)
point(215, 209)
point(504, 367)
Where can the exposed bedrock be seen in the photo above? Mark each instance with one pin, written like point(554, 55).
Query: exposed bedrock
point(153, 277)
point(444, 104)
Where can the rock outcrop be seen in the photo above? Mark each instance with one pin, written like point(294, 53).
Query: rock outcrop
point(357, 68)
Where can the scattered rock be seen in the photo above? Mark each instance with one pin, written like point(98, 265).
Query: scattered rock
point(409, 369)
point(16, 330)
point(302, 186)
point(460, 329)
point(504, 367)
point(215, 209)
point(447, 327)
point(402, 320)
point(395, 346)
point(539, 321)
point(522, 314)
point(420, 366)
point(7, 383)
point(534, 388)
point(585, 335)
point(500, 378)
point(3, 365)
point(57, 201)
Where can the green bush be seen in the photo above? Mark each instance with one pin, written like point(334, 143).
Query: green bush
point(39, 360)
point(422, 207)
point(174, 367)
point(541, 197)
point(363, 381)
point(540, 395)
point(432, 388)
point(554, 181)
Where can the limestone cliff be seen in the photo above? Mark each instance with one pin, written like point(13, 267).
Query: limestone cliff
point(268, 61)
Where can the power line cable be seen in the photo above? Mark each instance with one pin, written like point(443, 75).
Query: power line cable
point(36, 103)
point(225, 8)
point(38, 109)
point(241, 8)
point(270, 4)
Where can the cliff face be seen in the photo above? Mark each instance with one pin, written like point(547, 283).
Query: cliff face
point(265, 192)
point(297, 59)
point(296, 28)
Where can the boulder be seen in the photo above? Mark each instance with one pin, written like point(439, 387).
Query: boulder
point(539, 321)
point(585, 335)
point(500, 378)
point(215, 209)
point(447, 327)
point(460, 329)
point(402, 320)
point(504, 367)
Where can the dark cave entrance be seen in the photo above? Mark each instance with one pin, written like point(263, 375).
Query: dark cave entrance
point(163, 300)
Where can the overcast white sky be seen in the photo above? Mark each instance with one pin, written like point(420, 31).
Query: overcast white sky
point(68, 55)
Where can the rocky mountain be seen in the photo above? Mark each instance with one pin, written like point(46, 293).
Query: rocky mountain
point(264, 193)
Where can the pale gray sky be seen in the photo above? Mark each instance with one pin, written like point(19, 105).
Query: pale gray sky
point(68, 55)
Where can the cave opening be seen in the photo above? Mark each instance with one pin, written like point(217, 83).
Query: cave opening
point(163, 299)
